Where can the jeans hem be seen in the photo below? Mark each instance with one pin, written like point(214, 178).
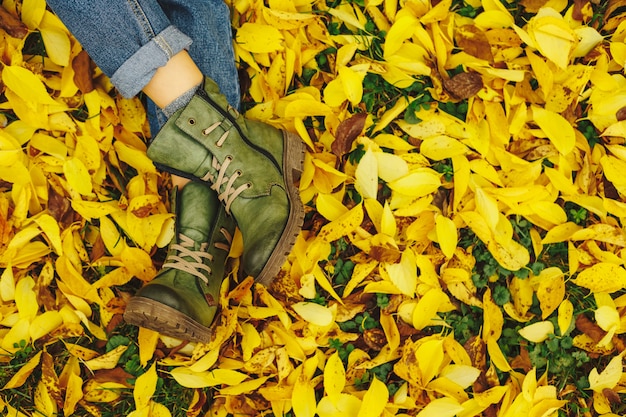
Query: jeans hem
point(137, 71)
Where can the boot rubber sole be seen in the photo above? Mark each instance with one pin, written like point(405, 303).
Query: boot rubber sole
point(153, 315)
point(293, 160)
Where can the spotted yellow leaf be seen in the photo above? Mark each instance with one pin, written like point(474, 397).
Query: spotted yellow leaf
point(259, 38)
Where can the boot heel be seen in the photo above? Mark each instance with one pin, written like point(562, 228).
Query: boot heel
point(293, 160)
point(294, 155)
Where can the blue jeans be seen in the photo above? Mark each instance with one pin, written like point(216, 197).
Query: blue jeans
point(130, 39)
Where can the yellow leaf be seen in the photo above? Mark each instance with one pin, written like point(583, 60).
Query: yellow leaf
point(334, 376)
point(43, 401)
point(390, 328)
point(374, 400)
point(551, 35)
point(401, 30)
point(159, 410)
point(442, 147)
point(594, 278)
point(244, 387)
point(108, 360)
point(251, 339)
point(32, 12)
point(560, 233)
point(390, 166)
point(57, 43)
point(329, 207)
point(73, 394)
point(77, 176)
point(510, 254)
point(557, 128)
point(26, 298)
point(7, 284)
point(352, 82)
point(550, 291)
point(147, 341)
point(427, 308)
point(496, 355)
point(25, 370)
point(441, 407)
point(343, 225)
point(366, 175)
point(346, 14)
point(188, 378)
point(105, 392)
point(51, 229)
point(314, 313)
point(447, 235)
point(138, 263)
point(463, 375)
point(303, 398)
point(417, 183)
point(493, 317)
point(145, 385)
point(259, 38)
point(609, 377)
point(404, 274)
point(565, 315)
point(94, 209)
point(344, 405)
point(537, 332)
point(134, 157)
point(26, 85)
point(44, 324)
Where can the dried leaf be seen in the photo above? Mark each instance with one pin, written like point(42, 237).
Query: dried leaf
point(347, 131)
point(464, 85)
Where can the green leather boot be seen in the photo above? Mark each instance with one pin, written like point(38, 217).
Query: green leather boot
point(253, 167)
point(183, 299)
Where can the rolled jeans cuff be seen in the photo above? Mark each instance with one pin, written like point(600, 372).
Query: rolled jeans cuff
point(137, 71)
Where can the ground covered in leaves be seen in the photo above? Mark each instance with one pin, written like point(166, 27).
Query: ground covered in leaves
point(463, 250)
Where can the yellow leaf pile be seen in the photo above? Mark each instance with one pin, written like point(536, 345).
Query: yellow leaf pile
point(463, 249)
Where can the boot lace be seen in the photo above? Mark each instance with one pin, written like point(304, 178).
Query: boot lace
point(230, 193)
point(194, 266)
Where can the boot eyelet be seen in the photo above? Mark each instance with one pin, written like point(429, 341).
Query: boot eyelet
point(192, 121)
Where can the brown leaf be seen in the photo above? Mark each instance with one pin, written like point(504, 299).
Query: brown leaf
point(464, 85)
point(12, 25)
point(533, 6)
point(472, 40)
point(98, 250)
point(578, 7)
point(522, 361)
point(59, 207)
point(385, 254)
point(50, 378)
point(198, 402)
point(589, 328)
point(83, 74)
point(611, 396)
point(374, 338)
point(113, 375)
point(614, 14)
point(477, 351)
point(347, 132)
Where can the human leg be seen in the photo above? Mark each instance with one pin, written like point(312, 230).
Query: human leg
point(238, 153)
point(133, 42)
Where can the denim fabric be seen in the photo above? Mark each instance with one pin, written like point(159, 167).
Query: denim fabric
point(130, 39)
